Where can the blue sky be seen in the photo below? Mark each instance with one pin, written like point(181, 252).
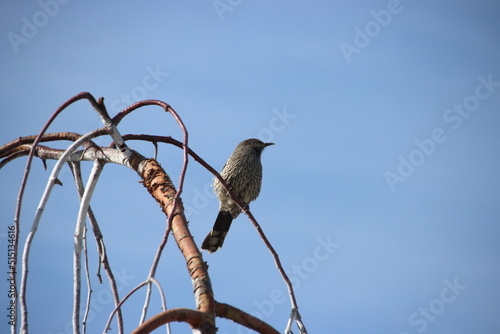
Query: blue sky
point(380, 195)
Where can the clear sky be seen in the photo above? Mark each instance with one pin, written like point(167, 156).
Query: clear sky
point(381, 194)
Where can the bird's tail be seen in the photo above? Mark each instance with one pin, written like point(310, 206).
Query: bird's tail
point(215, 238)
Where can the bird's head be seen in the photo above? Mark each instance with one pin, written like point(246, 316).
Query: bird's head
point(255, 144)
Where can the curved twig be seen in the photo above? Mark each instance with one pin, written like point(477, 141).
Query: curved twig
point(241, 317)
point(194, 318)
point(152, 273)
point(127, 296)
point(118, 307)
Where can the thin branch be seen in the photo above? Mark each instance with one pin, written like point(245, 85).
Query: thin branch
point(232, 313)
point(128, 295)
point(89, 283)
point(162, 296)
point(194, 318)
point(295, 315)
point(118, 307)
point(23, 150)
point(12, 145)
point(295, 309)
point(119, 117)
point(78, 240)
point(152, 273)
point(170, 140)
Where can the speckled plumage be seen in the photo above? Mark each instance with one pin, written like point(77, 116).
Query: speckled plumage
point(243, 173)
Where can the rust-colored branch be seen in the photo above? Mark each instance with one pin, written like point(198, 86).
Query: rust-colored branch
point(195, 319)
point(118, 117)
point(232, 313)
point(162, 189)
point(71, 136)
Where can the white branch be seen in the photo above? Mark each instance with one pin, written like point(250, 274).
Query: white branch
point(163, 300)
point(295, 315)
point(78, 240)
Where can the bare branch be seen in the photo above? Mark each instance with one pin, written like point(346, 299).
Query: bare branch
point(78, 239)
point(161, 188)
point(89, 283)
point(163, 300)
point(119, 305)
point(135, 289)
point(295, 309)
point(101, 249)
point(119, 117)
point(195, 319)
point(152, 273)
point(243, 318)
point(295, 315)
point(48, 137)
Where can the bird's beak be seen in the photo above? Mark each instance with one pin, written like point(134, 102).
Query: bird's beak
point(268, 144)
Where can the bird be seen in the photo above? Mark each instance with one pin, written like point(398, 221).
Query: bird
point(243, 174)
